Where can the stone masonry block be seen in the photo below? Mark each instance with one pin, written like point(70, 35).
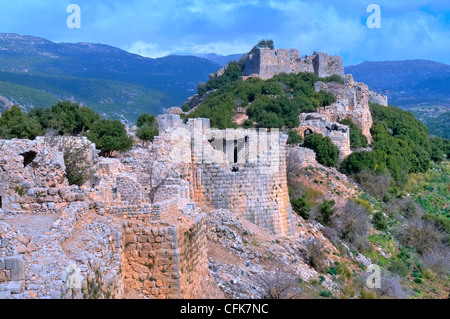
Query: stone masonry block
point(15, 264)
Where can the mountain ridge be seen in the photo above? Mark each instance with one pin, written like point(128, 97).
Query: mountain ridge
point(151, 84)
point(407, 82)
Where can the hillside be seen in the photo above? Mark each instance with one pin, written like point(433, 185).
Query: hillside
point(108, 79)
point(407, 83)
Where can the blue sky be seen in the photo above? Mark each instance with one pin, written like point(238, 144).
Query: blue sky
point(413, 29)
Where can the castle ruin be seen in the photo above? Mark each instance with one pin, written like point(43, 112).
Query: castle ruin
point(266, 63)
point(145, 210)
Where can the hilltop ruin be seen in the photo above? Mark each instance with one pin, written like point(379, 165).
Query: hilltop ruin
point(137, 227)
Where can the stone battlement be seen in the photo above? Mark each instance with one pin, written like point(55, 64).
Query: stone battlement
point(266, 63)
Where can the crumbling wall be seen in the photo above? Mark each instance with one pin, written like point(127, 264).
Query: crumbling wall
point(352, 103)
point(266, 63)
point(167, 259)
point(318, 123)
point(300, 157)
point(12, 276)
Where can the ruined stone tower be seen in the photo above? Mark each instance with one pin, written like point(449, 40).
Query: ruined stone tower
point(266, 63)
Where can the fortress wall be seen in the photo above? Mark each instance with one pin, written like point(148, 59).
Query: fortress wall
point(255, 188)
point(267, 63)
point(300, 157)
point(318, 123)
point(325, 65)
point(352, 103)
point(164, 261)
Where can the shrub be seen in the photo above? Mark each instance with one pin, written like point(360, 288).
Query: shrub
point(301, 206)
point(327, 153)
point(379, 221)
point(326, 212)
point(398, 267)
point(423, 236)
point(294, 137)
point(147, 133)
point(376, 185)
point(332, 271)
point(438, 261)
point(352, 224)
point(334, 78)
point(357, 138)
point(263, 44)
point(391, 287)
point(344, 272)
point(280, 286)
point(325, 294)
point(78, 169)
point(313, 253)
point(441, 222)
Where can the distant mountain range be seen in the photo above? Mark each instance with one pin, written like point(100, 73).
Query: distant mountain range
point(222, 60)
point(407, 83)
point(37, 72)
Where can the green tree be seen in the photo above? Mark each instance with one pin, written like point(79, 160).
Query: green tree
point(88, 118)
point(64, 117)
point(294, 137)
point(326, 212)
point(327, 153)
point(357, 138)
point(16, 124)
point(110, 136)
point(147, 133)
point(358, 162)
point(146, 119)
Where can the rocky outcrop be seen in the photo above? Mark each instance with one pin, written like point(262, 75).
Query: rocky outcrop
point(352, 103)
point(195, 101)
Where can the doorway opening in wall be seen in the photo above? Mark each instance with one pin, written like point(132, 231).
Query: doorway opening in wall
point(308, 132)
point(28, 158)
point(0, 202)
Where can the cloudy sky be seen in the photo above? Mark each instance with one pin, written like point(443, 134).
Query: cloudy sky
point(414, 29)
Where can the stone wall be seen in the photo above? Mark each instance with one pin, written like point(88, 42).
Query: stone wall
point(325, 65)
point(352, 103)
point(267, 63)
point(251, 181)
point(318, 123)
point(40, 199)
point(166, 121)
point(12, 276)
point(163, 260)
point(300, 157)
point(33, 173)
